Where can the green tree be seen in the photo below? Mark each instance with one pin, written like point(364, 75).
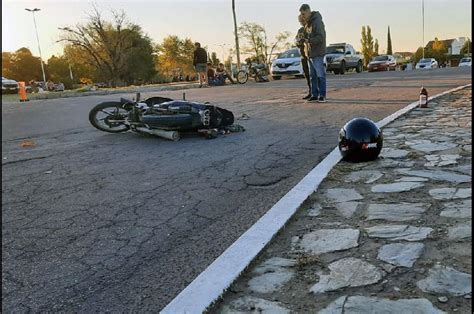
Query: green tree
point(467, 47)
point(140, 64)
point(21, 66)
point(376, 47)
point(172, 54)
point(58, 69)
point(438, 51)
point(81, 65)
point(389, 43)
point(367, 43)
point(418, 55)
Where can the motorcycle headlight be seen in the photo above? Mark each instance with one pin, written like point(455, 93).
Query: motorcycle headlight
point(296, 63)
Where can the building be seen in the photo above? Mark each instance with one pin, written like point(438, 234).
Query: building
point(454, 45)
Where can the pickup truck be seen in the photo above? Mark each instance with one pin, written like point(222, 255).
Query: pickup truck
point(341, 57)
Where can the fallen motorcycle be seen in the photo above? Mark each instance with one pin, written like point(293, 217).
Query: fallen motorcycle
point(161, 116)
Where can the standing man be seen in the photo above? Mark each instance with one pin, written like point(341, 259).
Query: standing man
point(300, 40)
point(199, 62)
point(315, 51)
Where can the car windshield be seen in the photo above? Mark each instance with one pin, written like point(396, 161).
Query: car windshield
point(425, 60)
point(381, 58)
point(294, 53)
point(466, 60)
point(335, 49)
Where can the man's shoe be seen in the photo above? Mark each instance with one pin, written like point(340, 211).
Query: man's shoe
point(322, 99)
point(307, 96)
point(312, 99)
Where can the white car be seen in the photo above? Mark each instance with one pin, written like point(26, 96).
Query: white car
point(427, 63)
point(287, 63)
point(9, 86)
point(465, 62)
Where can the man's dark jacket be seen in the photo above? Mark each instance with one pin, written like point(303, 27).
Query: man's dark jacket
point(200, 56)
point(316, 47)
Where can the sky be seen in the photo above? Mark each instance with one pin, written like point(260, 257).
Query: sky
point(211, 21)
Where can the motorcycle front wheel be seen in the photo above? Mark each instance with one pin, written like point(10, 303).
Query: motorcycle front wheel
point(109, 117)
point(242, 77)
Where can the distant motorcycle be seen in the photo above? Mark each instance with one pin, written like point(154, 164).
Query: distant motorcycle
point(160, 116)
point(255, 70)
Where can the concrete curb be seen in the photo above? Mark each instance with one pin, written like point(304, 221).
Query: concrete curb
point(208, 287)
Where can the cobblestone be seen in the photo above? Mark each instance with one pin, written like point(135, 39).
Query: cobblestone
point(400, 237)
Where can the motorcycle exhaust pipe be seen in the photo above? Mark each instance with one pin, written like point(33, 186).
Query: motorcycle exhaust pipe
point(169, 135)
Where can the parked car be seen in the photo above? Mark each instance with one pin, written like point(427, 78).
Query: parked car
point(341, 57)
point(288, 63)
point(9, 86)
point(465, 62)
point(427, 63)
point(382, 63)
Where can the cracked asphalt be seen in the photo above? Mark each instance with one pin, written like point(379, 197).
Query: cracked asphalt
point(95, 222)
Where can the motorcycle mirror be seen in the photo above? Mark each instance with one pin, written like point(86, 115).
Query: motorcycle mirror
point(137, 97)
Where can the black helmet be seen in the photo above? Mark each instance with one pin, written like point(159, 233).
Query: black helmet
point(360, 140)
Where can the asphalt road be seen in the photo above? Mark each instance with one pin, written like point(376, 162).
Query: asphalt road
point(123, 222)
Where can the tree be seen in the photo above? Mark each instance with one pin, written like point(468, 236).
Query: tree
point(21, 65)
point(140, 64)
point(108, 45)
point(467, 47)
point(214, 60)
point(367, 42)
point(438, 51)
point(174, 53)
point(389, 43)
point(81, 65)
point(418, 55)
point(376, 47)
point(258, 44)
point(58, 68)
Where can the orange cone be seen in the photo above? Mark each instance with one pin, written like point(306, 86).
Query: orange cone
point(22, 91)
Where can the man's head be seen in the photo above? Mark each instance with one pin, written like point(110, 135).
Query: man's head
point(197, 45)
point(209, 64)
point(305, 11)
point(221, 65)
point(302, 20)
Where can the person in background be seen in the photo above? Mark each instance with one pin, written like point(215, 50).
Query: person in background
point(199, 62)
point(300, 39)
point(211, 73)
point(315, 47)
point(220, 71)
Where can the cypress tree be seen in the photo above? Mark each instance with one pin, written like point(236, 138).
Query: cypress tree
point(389, 43)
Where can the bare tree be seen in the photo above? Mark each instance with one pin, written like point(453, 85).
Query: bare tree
point(258, 44)
point(106, 44)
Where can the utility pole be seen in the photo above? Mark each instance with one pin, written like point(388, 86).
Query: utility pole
point(236, 36)
point(423, 24)
point(37, 39)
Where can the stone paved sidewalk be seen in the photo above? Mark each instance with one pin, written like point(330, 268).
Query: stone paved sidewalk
point(389, 236)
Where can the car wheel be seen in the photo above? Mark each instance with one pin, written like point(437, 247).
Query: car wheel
point(336, 71)
point(359, 67)
point(276, 78)
point(342, 70)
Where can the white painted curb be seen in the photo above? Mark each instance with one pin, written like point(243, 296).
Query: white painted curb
point(217, 277)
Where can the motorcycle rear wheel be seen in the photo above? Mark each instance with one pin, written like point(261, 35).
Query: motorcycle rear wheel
point(242, 77)
point(109, 117)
